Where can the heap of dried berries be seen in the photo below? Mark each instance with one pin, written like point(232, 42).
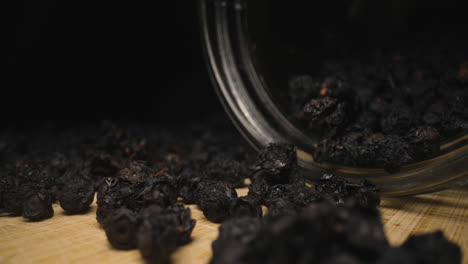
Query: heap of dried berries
point(385, 108)
point(138, 209)
point(334, 221)
point(137, 200)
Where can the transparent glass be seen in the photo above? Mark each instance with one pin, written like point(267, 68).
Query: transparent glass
point(248, 70)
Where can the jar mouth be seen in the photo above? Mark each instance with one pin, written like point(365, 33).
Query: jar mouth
point(247, 99)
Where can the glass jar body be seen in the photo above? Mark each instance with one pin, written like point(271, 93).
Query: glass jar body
point(246, 87)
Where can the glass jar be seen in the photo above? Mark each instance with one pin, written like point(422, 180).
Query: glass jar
point(252, 46)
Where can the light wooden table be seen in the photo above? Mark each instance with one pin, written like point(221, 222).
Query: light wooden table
point(80, 239)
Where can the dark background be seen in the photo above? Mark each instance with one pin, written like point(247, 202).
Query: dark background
point(83, 60)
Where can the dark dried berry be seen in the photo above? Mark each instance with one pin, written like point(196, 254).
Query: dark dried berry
point(76, 199)
point(318, 109)
point(136, 187)
point(398, 120)
point(368, 150)
point(279, 207)
point(233, 240)
point(364, 231)
point(278, 164)
point(291, 238)
point(338, 117)
point(109, 198)
point(424, 142)
point(102, 165)
point(397, 255)
point(38, 206)
point(156, 243)
point(162, 230)
point(226, 170)
point(338, 190)
point(431, 248)
point(187, 185)
point(246, 206)
point(278, 191)
point(121, 227)
point(289, 198)
point(159, 189)
point(259, 186)
point(77, 195)
point(317, 234)
point(394, 152)
point(302, 196)
point(215, 200)
point(135, 172)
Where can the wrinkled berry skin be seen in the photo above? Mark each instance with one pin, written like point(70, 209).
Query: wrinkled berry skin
point(135, 187)
point(77, 194)
point(277, 160)
point(215, 200)
point(431, 248)
point(160, 190)
point(135, 172)
point(121, 227)
point(398, 120)
point(38, 206)
point(424, 142)
point(338, 190)
point(108, 198)
point(162, 230)
point(246, 206)
point(314, 235)
point(277, 164)
point(226, 170)
point(187, 186)
point(233, 239)
point(75, 199)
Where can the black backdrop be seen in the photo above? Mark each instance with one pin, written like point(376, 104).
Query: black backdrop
point(88, 60)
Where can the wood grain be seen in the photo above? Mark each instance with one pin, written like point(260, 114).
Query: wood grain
point(79, 238)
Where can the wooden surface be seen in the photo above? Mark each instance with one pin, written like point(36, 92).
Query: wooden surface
point(79, 238)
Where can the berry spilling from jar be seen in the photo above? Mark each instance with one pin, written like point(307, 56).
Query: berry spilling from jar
point(385, 108)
